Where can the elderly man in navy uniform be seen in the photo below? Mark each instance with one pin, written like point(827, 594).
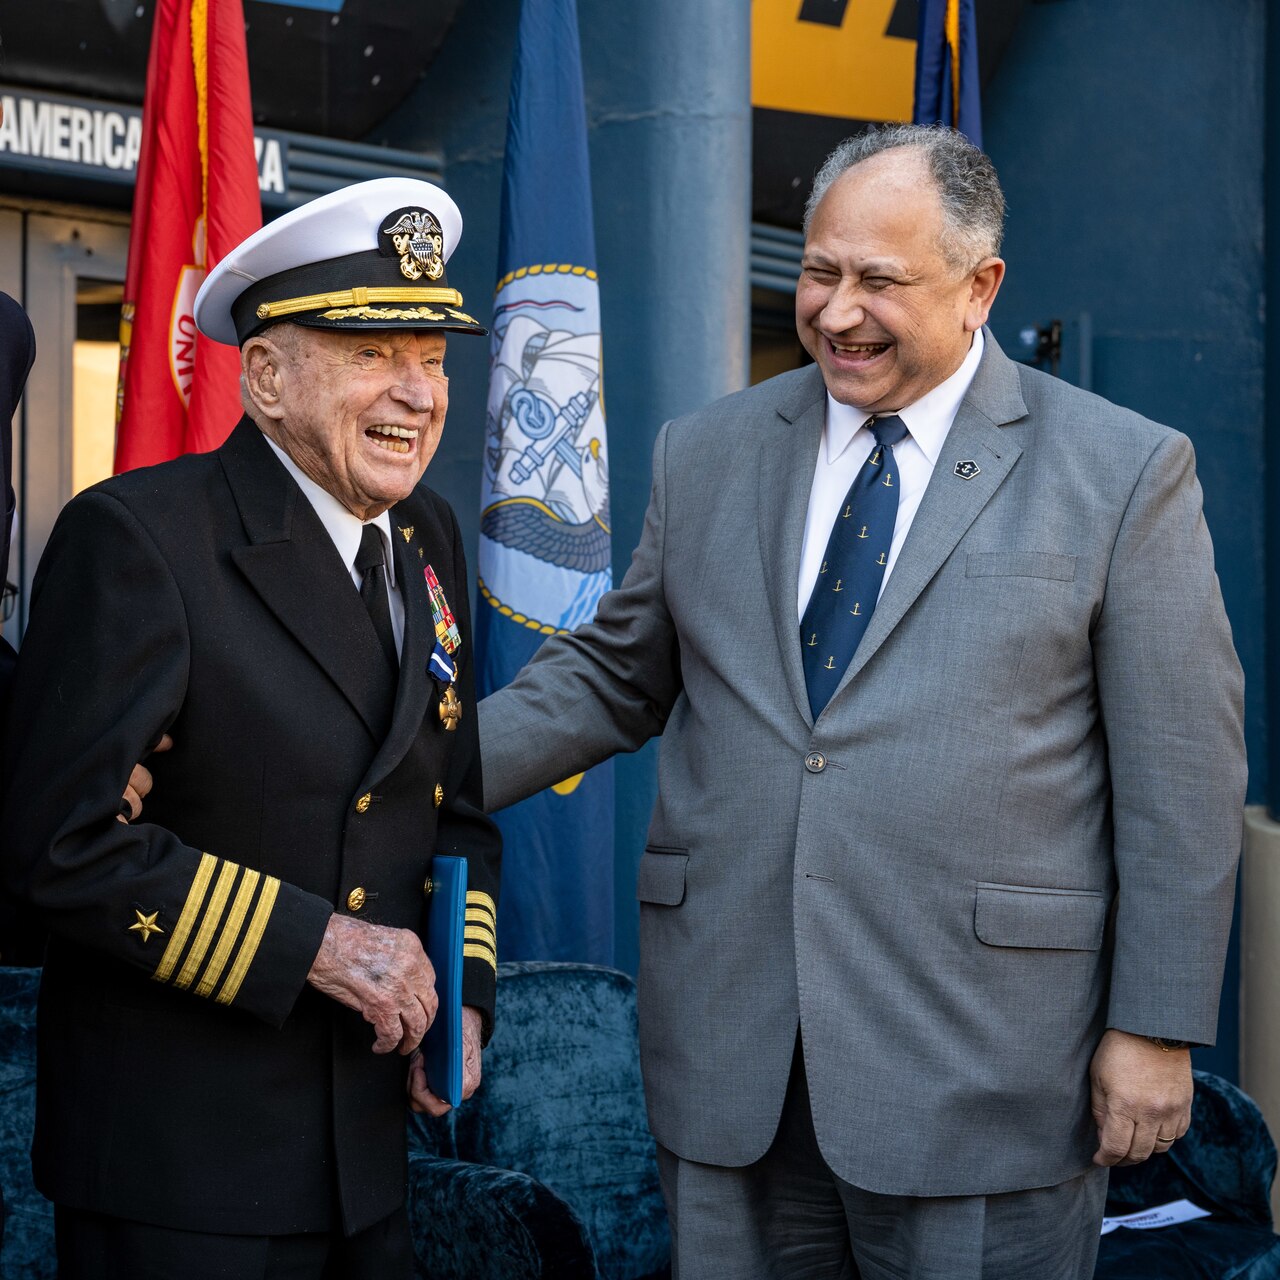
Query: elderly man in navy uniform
point(292, 608)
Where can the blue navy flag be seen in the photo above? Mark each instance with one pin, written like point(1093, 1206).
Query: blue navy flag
point(947, 89)
point(545, 556)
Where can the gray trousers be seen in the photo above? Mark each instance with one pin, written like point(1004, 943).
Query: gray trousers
point(788, 1217)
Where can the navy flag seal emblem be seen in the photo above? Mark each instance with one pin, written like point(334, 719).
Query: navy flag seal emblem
point(967, 469)
point(414, 236)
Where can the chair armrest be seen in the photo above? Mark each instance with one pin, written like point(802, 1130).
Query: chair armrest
point(491, 1224)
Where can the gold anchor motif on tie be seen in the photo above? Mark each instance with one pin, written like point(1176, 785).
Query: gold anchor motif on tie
point(888, 480)
point(856, 611)
point(875, 460)
point(823, 569)
point(881, 560)
point(830, 664)
point(838, 587)
point(847, 511)
point(863, 534)
point(813, 640)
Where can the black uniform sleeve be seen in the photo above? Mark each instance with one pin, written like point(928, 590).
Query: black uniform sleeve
point(102, 674)
point(17, 354)
point(464, 830)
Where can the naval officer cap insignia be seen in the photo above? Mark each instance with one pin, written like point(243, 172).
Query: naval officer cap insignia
point(967, 469)
point(371, 256)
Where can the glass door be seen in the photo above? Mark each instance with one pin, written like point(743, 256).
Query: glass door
point(74, 282)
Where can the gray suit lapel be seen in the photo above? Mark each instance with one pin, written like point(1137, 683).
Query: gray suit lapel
point(786, 466)
point(950, 503)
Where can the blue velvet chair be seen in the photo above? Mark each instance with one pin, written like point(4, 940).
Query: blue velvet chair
point(1226, 1164)
point(549, 1171)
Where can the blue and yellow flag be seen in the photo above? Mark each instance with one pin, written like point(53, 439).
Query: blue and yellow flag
point(545, 556)
point(947, 88)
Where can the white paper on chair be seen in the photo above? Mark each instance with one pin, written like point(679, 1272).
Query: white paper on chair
point(1163, 1215)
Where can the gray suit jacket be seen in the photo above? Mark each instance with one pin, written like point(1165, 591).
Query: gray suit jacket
point(1016, 822)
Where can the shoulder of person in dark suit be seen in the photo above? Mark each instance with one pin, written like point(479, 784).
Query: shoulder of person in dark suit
point(17, 355)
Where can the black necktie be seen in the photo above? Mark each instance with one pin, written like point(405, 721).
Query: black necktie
point(373, 590)
point(853, 568)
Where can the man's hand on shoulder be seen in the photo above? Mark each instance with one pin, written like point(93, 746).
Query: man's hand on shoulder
point(420, 1096)
point(383, 974)
point(1141, 1097)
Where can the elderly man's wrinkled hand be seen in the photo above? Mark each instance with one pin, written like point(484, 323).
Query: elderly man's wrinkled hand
point(1141, 1097)
point(383, 974)
point(421, 1099)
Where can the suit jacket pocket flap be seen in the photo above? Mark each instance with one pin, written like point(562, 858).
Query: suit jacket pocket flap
point(1010, 915)
point(661, 878)
point(1020, 564)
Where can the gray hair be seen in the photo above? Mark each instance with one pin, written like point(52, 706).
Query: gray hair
point(965, 178)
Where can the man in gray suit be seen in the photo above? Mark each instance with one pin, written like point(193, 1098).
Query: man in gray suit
point(929, 915)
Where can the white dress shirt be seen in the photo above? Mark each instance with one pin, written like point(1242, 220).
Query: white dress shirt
point(847, 443)
point(345, 529)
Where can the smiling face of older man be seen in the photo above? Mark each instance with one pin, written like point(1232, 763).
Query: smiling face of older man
point(361, 412)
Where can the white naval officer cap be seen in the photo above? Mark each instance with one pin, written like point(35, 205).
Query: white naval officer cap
point(370, 256)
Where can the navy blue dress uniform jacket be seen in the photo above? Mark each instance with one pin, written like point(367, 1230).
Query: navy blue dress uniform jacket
point(187, 1074)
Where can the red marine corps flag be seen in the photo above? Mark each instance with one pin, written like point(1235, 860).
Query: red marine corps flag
point(196, 198)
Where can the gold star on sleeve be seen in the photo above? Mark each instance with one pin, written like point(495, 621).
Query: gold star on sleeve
point(146, 924)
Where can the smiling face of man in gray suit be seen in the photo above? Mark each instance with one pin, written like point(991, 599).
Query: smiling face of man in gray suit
point(890, 295)
point(905, 943)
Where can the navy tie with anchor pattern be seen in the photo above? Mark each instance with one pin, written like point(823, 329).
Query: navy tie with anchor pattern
point(852, 572)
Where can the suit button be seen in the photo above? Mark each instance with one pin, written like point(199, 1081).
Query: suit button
point(815, 762)
point(362, 805)
point(355, 899)
point(439, 796)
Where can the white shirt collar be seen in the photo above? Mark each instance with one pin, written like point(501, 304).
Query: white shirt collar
point(928, 420)
point(343, 527)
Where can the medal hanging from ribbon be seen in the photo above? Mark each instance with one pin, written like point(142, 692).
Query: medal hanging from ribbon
point(441, 665)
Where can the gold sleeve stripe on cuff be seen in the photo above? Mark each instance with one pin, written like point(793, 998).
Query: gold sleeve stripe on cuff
point(208, 925)
point(186, 921)
point(477, 952)
point(480, 915)
point(478, 898)
point(480, 923)
point(252, 937)
point(230, 931)
point(481, 933)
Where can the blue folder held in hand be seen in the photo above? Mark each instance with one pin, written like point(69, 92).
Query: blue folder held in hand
point(446, 925)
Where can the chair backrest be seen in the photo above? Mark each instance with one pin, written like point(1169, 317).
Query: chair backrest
point(562, 1101)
